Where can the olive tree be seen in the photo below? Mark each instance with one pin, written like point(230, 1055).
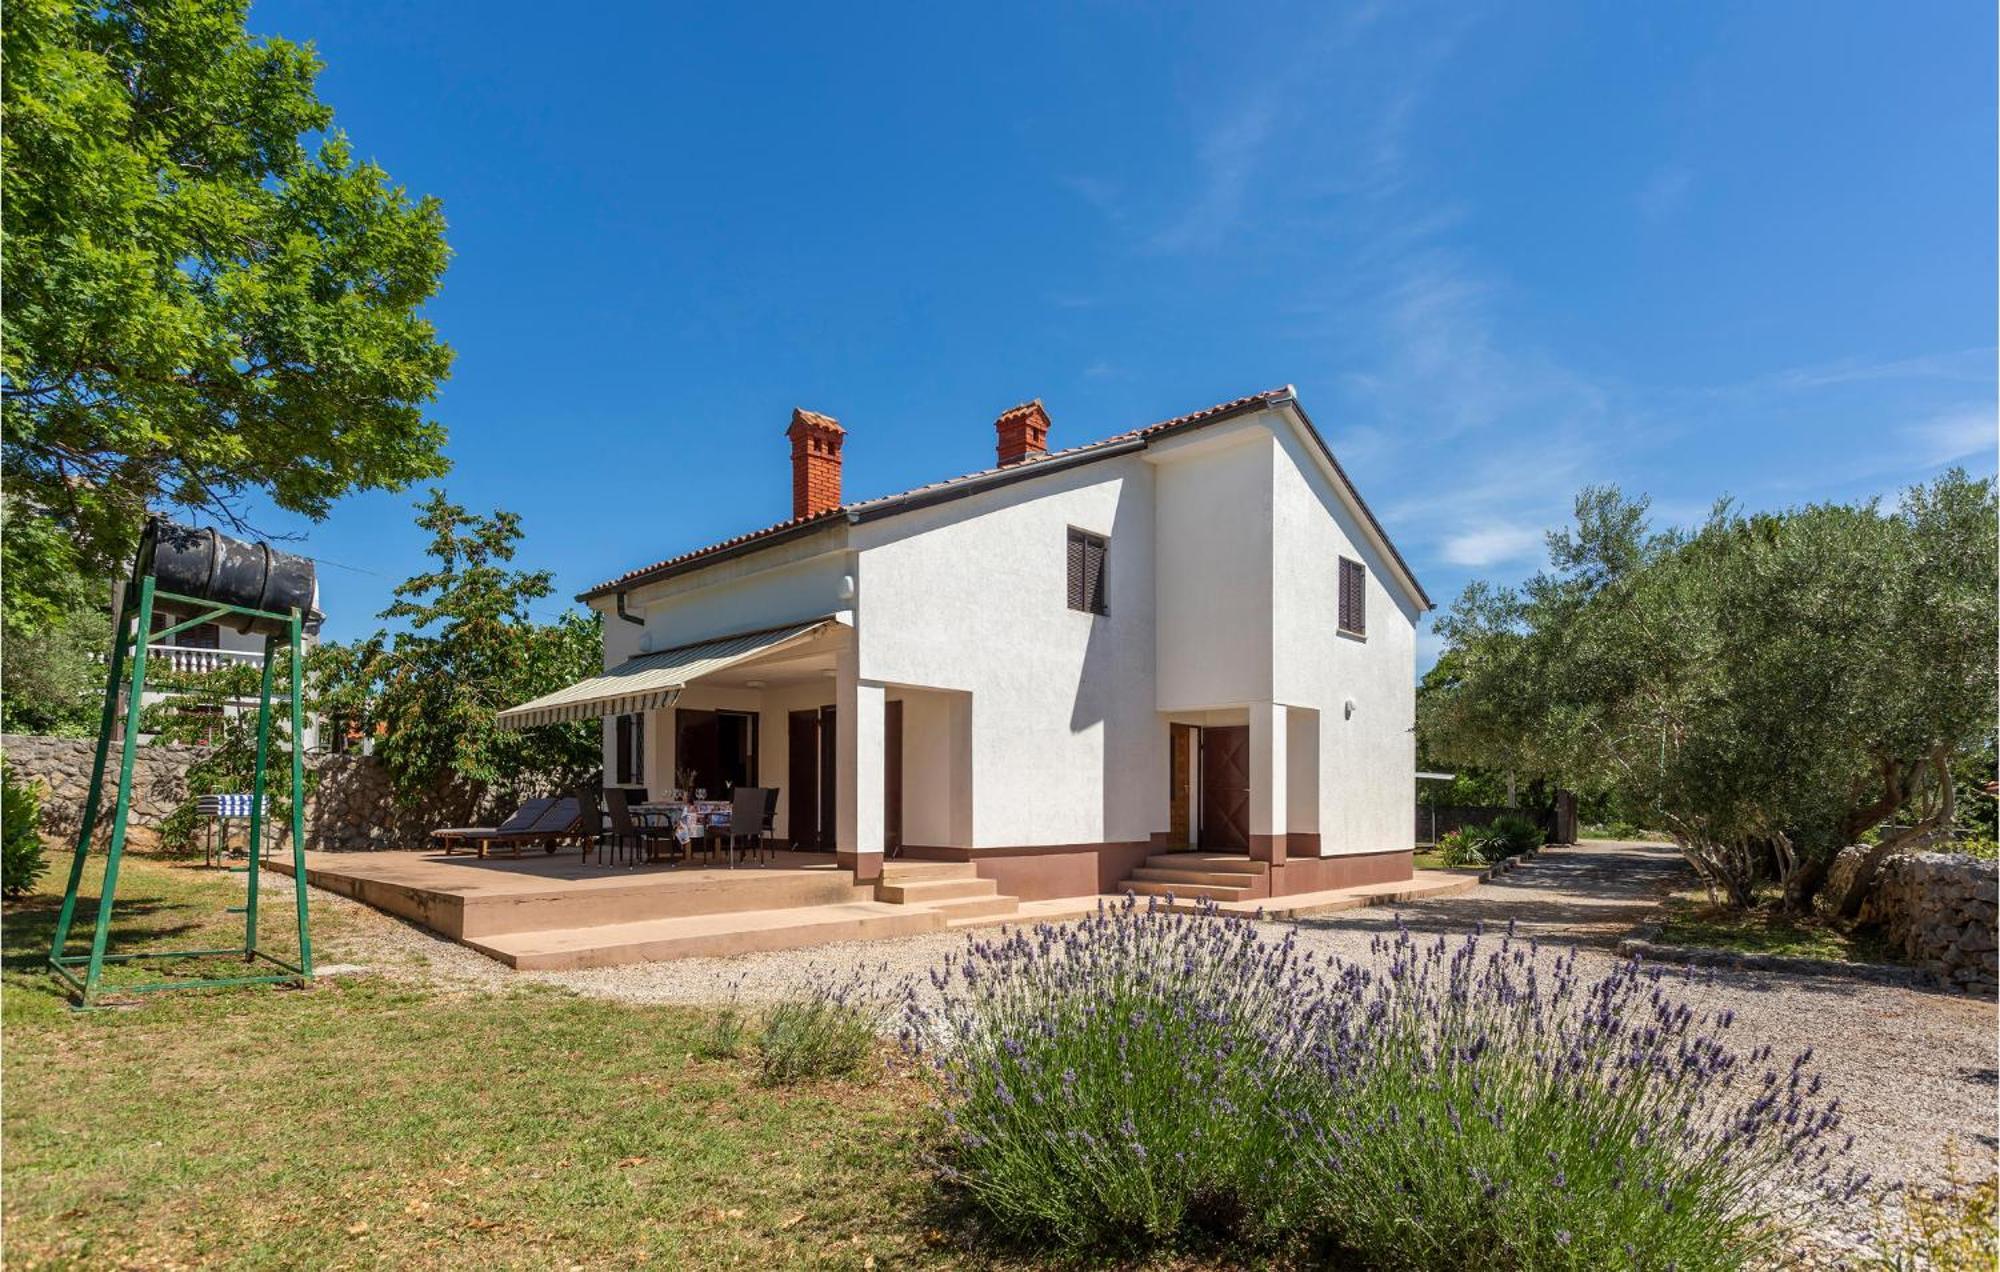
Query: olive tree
point(1772, 686)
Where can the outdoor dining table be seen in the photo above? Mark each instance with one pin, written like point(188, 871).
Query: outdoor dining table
point(709, 817)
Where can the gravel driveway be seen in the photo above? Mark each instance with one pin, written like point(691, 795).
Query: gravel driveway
point(1914, 1068)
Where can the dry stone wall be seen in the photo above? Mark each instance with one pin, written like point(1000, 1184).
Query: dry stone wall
point(1940, 910)
point(352, 806)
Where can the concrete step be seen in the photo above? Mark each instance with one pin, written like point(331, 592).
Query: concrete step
point(977, 907)
point(913, 871)
point(926, 890)
point(1222, 862)
point(1185, 891)
point(705, 935)
point(1197, 878)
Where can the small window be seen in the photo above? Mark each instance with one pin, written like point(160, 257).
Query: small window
point(1353, 598)
point(1087, 583)
point(631, 749)
point(206, 636)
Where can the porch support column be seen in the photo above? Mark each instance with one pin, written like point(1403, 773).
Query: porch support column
point(1269, 807)
point(859, 771)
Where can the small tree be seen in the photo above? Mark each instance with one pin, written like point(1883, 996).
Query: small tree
point(469, 649)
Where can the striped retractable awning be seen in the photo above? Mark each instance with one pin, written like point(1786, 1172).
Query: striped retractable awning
point(654, 680)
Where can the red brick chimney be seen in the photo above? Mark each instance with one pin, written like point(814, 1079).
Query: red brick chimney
point(1022, 432)
point(816, 443)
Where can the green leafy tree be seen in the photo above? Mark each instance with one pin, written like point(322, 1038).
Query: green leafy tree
point(55, 625)
point(1772, 686)
point(208, 296)
point(468, 648)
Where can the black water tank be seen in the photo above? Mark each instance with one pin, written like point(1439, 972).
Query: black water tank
point(210, 566)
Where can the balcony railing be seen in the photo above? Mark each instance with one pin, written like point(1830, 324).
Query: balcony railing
point(180, 658)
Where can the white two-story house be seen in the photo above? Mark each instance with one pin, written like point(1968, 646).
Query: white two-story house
point(1189, 635)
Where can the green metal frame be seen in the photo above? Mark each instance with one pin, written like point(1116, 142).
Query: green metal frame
point(135, 620)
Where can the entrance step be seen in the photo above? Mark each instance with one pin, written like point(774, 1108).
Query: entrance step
point(705, 935)
point(914, 871)
point(1221, 862)
point(977, 907)
point(1192, 877)
point(1185, 891)
point(922, 891)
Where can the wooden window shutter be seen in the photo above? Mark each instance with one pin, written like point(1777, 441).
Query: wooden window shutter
point(1353, 597)
point(1076, 594)
point(1088, 585)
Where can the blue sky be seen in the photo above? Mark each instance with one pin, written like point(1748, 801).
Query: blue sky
point(1503, 251)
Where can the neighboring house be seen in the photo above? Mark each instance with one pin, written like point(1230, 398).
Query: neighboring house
point(1191, 634)
point(210, 647)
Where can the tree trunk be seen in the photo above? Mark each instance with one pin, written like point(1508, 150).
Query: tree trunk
point(1805, 883)
point(1848, 904)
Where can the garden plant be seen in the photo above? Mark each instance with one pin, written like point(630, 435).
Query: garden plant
point(1148, 1080)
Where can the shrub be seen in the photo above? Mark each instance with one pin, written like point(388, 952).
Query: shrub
point(827, 1034)
point(1146, 1079)
point(1512, 834)
point(21, 852)
point(1982, 846)
point(1459, 848)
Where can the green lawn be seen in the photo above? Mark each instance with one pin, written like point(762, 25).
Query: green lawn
point(1690, 920)
point(1430, 859)
point(366, 1122)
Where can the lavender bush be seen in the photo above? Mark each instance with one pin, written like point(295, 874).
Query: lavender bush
point(1149, 1078)
point(829, 1032)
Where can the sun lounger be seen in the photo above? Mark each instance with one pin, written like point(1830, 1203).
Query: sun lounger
point(522, 818)
point(559, 821)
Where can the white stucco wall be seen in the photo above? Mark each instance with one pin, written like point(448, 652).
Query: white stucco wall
point(1213, 536)
point(972, 596)
point(1366, 759)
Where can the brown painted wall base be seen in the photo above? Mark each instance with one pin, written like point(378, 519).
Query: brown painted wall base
point(1044, 872)
point(867, 866)
point(1351, 870)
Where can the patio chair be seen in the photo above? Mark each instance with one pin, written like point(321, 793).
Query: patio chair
point(749, 818)
point(559, 821)
point(625, 831)
point(523, 818)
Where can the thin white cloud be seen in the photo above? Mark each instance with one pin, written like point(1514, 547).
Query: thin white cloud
point(1493, 545)
point(1227, 156)
point(1963, 433)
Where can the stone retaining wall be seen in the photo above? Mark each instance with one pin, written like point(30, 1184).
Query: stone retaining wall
point(351, 808)
point(1940, 910)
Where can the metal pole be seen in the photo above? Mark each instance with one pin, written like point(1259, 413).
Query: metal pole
point(91, 801)
point(299, 792)
point(257, 799)
point(122, 809)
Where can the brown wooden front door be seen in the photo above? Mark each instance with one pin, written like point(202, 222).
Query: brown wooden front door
point(892, 778)
point(1225, 788)
point(1180, 785)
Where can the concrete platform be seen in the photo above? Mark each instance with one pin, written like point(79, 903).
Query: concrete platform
point(560, 912)
point(706, 935)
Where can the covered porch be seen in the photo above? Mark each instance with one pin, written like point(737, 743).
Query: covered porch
point(860, 767)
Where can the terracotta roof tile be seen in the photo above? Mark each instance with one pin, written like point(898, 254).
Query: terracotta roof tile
point(633, 577)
